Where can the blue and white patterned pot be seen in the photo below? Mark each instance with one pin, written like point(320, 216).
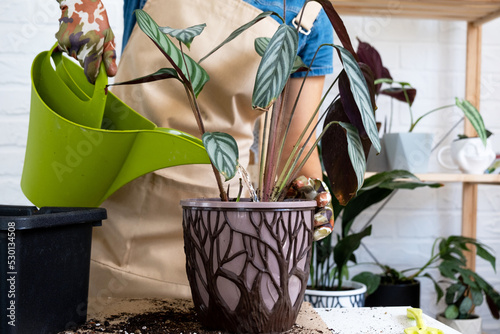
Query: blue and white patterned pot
point(352, 295)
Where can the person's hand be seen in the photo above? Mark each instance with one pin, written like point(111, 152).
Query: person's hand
point(84, 33)
point(315, 189)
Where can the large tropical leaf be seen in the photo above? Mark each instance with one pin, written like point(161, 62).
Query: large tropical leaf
point(345, 248)
point(275, 67)
point(186, 35)
point(240, 30)
point(223, 152)
point(376, 188)
point(189, 71)
point(361, 95)
point(474, 117)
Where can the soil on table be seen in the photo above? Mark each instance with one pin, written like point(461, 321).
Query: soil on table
point(152, 316)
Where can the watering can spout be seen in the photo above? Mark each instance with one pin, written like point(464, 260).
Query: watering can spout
point(83, 145)
point(153, 150)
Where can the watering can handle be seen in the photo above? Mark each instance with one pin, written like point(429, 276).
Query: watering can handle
point(93, 97)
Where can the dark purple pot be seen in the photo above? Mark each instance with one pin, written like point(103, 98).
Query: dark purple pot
point(247, 263)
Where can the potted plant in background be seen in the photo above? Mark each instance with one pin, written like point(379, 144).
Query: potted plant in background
point(329, 267)
point(410, 150)
point(465, 287)
point(469, 154)
point(242, 273)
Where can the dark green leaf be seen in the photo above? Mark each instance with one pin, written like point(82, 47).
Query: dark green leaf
point(275, 67)
point(477, 296)
point(484, 254)
point(239, 31)
point(369, 279)
point(345, 247)
point(382, 177)
point(223, 152)
point(186, 35)
point(188, 70)
point(451, 312)
point(465, 306)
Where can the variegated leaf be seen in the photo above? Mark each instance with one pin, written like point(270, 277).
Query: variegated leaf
point(275, 67)
point(185, 36)
point(190, 72)
point(355, 151)
point(261, 45)
point(223, 152)
point(474, 117)
point(361, 95)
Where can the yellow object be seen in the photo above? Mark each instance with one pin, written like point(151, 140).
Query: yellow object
point(420, 328)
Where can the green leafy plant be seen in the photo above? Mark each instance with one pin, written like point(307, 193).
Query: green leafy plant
point(404, 92)
point(465, 289)
point(333, 254)
point(279, 60)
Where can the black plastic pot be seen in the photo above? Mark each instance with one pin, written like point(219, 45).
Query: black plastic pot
point(44, 267)
point(403, 294)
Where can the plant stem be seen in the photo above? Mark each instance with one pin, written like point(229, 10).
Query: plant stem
point(193, 102)
point(427, 113)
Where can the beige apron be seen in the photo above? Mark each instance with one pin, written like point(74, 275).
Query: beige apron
point(138, 252)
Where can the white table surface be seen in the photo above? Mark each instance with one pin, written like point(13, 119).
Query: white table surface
point(374, 320)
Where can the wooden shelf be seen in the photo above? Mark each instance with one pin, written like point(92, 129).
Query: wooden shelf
point(473, 11)
point(455, 177)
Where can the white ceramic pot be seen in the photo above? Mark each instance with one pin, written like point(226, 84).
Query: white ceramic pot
point(352, 296)
point(408, 151)
point(466, 326)
point(469, 155)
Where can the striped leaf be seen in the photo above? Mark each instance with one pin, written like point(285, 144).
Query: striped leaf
point(355, 151)
point(474, 117)
point(275, 67)
point(223, 152)
point(261, 45)
point(361, 95)
point(190, 73)
point(238, 32)
point(185, 36)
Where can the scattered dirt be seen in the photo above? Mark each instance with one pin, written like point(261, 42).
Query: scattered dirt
point(171, 316)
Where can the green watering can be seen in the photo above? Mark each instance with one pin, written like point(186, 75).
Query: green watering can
point(84, 144)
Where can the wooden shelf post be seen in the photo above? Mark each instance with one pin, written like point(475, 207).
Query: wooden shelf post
point(472, 94)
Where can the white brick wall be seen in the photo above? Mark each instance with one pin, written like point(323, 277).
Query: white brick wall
point(429, 54)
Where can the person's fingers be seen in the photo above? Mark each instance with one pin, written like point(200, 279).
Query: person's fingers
point(109, 58)
point(91, 67)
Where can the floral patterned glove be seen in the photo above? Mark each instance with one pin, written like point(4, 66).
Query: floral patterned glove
point(315, 189)
point(84, 33)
